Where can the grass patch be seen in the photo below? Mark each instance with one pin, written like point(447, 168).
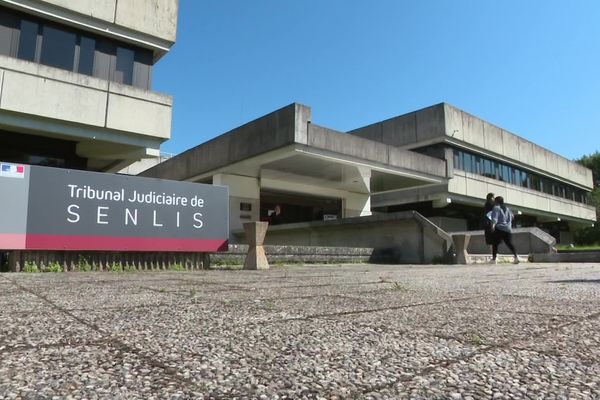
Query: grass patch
point(578, 248)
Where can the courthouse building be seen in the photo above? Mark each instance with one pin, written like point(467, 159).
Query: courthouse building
point(439, 161)
point(76, 81)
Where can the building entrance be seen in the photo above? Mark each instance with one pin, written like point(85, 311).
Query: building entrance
point(287, 208)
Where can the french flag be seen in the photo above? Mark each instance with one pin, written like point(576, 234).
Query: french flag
point(12, 170)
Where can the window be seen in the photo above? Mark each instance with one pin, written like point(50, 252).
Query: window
point(467, 163)
point(27, 40)
point(497, 170)
point(87, 50)
point(9, 28)
point(58, 48)
point(124, 66)
point(47, 43)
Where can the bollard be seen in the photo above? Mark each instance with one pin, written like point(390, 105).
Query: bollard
point(461, 243)
point(255, 235)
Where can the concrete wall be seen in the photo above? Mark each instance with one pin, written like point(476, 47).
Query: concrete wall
point(418, 126)
point(242, 189)
point(443, 122)
point(525, 240)
point(406, 237)
point(464, 127)
point(153, 22)
point(267, 133)
point(369, 149)
point(80, 100)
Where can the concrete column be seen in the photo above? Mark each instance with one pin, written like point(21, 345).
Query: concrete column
point(255, 236)
point(244, 198)
point(359, 204)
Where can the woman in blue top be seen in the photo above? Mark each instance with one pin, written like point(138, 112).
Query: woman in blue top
point(502, 220)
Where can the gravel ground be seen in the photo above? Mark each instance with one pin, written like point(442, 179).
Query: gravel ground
point(530, 331)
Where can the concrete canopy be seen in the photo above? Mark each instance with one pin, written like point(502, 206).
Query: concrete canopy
point(285, 145)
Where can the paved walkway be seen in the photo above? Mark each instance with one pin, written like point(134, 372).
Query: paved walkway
point(526, 331)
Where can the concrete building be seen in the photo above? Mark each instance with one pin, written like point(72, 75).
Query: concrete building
point(439, 161)
point(76, 79)
point(543, 188)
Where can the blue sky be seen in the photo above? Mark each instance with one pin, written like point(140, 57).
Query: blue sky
point(531, 67)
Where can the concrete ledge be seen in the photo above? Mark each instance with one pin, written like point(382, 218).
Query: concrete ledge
point(402, 237)
point(526, 241)
point(300, 254)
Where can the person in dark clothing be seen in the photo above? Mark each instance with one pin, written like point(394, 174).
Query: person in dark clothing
point(502, 220)
point(276, 217)
point(487, 221)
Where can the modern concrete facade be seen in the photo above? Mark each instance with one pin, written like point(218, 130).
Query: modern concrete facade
point(439, 161)
point(542, 187)
point(314, 171)
point(76, 81)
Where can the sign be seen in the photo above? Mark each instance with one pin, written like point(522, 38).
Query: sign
point(43, 208)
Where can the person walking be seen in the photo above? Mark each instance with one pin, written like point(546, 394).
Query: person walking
point(487, 221)
point(502, 220)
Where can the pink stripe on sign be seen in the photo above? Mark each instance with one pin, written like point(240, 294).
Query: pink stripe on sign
point(60, 242)
point(12, 241)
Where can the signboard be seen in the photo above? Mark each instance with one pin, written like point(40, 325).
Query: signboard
point(43, 208)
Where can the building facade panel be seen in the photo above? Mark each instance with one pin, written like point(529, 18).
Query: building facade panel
point(431, 123)
point(472, 130)
point(510, 145)
point(53, 99)
point(492, 138)
point(153, 17)
point(454, 122)
point(104, 10)
point(525, 151)
point(149, 118)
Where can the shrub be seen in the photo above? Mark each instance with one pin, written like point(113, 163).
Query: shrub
point(83, 264)
point(115, 267)
point(129, 268)
point(53, 267)
point(30, 266)
point(176, 267)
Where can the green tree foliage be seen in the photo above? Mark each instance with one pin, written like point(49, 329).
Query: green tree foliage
point(591, 235)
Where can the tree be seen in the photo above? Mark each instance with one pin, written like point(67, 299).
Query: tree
point(591, 235)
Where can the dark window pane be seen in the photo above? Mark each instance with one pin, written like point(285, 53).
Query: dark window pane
point(8, 33)
point(142, 69)
point(27, 40)
point(124, 66)
point(456, 159)
point(467, 162)
point(87, 49)
point(102, 59)
point(487, 168)
point(58, 48)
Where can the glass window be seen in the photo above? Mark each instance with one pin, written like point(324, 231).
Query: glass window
point(468, 166)
point(525, 179)
point(142, 69)
point(9, 28)
point(87, 49)
point(457, 159)
point(58, 48)
point(27, 40)
point(124, 66)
